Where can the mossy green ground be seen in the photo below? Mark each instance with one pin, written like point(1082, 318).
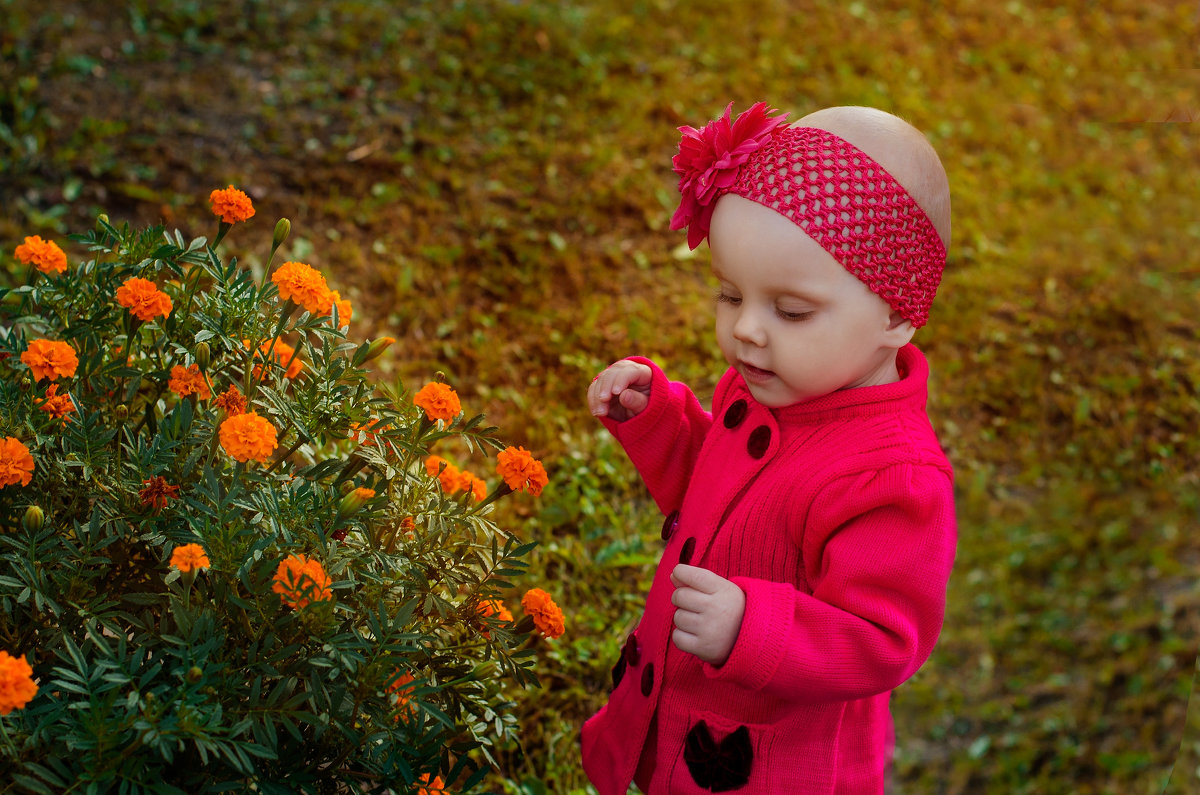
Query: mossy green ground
point(489, 182)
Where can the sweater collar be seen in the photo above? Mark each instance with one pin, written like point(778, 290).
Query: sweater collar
point(909, 393)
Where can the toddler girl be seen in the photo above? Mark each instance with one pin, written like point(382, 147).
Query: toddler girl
point(810, 526)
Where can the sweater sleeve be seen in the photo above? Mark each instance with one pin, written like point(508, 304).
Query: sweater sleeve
point(878, 549)
point(664, 440)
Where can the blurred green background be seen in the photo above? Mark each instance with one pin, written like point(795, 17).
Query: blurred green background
point(489, 182)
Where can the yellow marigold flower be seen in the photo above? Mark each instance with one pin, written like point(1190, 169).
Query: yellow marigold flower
point(439, 401)
point(231, 205)
point(189, 557)
point(45, 255)
point(143, 299)
point(438, 787)
point(304, 285)
point(16, 682)
point(50, 359)
point(59, 406)
point(545, 614)
point(189, 381)
point(16, 463)
point(248, 436)
point(156, 491)
point(232, 401)
point(300, 581)
point(521, 471)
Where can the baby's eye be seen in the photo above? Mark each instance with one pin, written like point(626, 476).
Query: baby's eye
point(725, 298)
point(793, 316)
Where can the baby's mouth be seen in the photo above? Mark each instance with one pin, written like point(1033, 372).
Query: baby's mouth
point(753, 373)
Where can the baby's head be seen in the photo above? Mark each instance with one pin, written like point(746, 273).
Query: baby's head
point(828, 240)
point(863, 183)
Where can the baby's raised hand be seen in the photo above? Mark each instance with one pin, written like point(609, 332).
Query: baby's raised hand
point(626, 381)
point(708, 615)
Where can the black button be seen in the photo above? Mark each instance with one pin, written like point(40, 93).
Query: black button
point(618, 672)
point(735, 414)
point(685, 554)
point(633, 651)
point(669, 525)
point(648, 680)
point(718, 766)
point(759, 441)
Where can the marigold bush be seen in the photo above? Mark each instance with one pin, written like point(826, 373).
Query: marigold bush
point(222, 574)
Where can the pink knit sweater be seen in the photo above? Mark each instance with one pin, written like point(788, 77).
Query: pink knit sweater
point(836, 518)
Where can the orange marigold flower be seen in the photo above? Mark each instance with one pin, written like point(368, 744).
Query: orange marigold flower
point(231, 205)
point(345, 310)
point(366, 434)
point(45, 255)
point(57, 405)
point(16, 463)
point(300, 581)
point(494, 607)
point(438, 787)
point(156, 491)
point(248, 436)
point(189, 557)
point(143, 299)
point(283, 354)
point(401, 689)
point(477, 487)
point(189, 381)
point(304, 285)
point(545, 614)
point(439, 401)
point(521, 471)
point(50, 359)
point(16, 682)
point(446, 473)
point(232, 401)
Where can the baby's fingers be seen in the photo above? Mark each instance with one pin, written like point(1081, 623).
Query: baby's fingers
point(634, 400)
point(598, 396)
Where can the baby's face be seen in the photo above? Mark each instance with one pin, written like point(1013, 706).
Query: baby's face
point(793, 322)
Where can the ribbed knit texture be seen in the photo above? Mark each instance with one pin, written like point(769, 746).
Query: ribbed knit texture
point(841, 535)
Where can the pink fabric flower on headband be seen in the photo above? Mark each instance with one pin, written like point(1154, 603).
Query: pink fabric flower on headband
point(708, 162)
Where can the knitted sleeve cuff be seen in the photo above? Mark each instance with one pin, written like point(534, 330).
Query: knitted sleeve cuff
point(762, 641)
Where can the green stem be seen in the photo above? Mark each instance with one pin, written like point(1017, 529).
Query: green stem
point(300, 441)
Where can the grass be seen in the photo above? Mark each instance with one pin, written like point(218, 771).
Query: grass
point(489, 182)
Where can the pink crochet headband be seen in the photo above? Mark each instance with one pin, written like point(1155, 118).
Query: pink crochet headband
point(828, 187)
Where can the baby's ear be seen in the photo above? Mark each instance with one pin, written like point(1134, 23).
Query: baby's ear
point(899, 331)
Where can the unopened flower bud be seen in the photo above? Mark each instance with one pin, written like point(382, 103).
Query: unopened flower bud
point(194, 673)
point(354, 501)
point(34, 519)
point(377, 347)
point(121, 412)
point(102, 218)
point(283, 228)
point(203, 356)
